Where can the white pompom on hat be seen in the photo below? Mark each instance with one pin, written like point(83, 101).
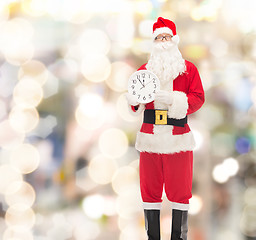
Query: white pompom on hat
point(163, 25)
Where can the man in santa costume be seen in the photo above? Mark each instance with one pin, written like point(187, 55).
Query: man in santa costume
point(166, 150)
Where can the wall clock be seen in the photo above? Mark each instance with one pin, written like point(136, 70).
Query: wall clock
point(143, 85)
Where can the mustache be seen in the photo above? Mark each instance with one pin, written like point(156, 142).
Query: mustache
point(164, 45)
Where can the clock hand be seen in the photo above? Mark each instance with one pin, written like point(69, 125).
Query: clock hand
point(142, 84)
point(146, 84)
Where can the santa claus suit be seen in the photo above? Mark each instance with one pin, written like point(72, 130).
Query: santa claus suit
point(166, 157)
point(165, 141)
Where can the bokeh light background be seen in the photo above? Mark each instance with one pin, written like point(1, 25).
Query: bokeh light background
point(68, 167)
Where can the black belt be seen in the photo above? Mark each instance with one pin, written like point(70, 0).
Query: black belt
point(159, 117)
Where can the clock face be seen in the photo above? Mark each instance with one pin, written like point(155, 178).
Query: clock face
point(143, 85)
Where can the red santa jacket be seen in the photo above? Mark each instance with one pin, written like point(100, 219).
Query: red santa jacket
point(188, 97)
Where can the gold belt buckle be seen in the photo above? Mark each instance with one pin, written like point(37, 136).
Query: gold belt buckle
point(160, 117)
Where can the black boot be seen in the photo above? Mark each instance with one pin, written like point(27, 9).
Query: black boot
point(152, 224)
point(179, 225)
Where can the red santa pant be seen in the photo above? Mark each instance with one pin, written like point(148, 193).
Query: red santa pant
point(174, 172)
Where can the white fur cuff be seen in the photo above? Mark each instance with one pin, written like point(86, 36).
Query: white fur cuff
point(180, 206)
point(150, 205)
point(164, 143)
point(179, 107)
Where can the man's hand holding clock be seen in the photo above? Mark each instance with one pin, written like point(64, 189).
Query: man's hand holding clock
point(131, 99)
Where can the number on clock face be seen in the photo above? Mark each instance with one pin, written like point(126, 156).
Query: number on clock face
point(143, 85)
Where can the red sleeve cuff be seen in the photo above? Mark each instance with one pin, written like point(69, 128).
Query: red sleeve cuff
point(135, 108)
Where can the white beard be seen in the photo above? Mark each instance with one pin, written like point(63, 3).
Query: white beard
point(166, 62)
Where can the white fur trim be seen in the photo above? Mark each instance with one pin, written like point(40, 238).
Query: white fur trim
point(179, 107)
point(176, 39)
point(164, 143)
point(149, 205)
point(138, 112)
point(180, 206)
point(160, 129)
point(162, 30)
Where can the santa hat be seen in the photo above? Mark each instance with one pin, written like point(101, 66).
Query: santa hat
point(163, 25)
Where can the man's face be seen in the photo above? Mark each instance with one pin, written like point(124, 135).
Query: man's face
point(163, 37)
point(164, 41)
